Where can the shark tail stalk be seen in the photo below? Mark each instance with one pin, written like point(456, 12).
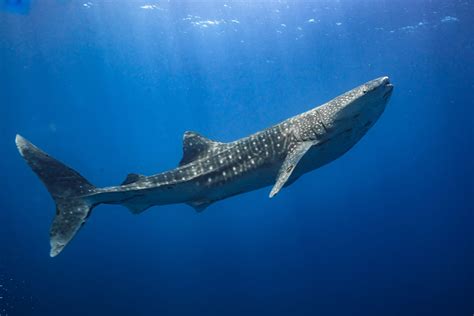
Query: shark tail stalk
point(68, 189)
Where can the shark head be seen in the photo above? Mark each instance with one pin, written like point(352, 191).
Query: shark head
point(328, 131)
point(356, 110)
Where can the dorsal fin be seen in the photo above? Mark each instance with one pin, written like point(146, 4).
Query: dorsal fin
point(196, 146)
point(131, 178)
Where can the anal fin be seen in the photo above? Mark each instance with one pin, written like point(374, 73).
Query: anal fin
point(200, 205)
point(136, 208)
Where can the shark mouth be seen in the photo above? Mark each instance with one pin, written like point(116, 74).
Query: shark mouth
point(389, 91)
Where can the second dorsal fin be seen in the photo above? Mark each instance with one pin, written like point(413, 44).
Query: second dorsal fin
point(131, 178)
point(196, 146)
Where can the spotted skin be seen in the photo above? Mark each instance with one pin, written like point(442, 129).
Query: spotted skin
point(212, 171)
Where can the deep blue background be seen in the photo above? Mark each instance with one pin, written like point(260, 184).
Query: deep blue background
point(109, 88)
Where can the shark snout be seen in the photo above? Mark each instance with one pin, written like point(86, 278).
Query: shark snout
point(382, 82)
point(387, 86)
point(380, 86)
point(386, 82)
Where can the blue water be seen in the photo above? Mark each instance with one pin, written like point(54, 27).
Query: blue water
point(109, 87)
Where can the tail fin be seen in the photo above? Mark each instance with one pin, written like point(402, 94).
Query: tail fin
point(68, 189)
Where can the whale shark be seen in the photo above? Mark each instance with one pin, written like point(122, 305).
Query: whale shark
point(209, 170)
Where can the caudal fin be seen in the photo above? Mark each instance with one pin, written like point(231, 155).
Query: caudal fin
point(68, 188)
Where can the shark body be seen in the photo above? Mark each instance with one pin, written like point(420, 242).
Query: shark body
point(210, 171)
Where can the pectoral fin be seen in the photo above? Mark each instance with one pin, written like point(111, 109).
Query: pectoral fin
point(292, 159)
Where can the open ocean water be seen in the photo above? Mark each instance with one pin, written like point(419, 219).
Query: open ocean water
point(109, 87)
